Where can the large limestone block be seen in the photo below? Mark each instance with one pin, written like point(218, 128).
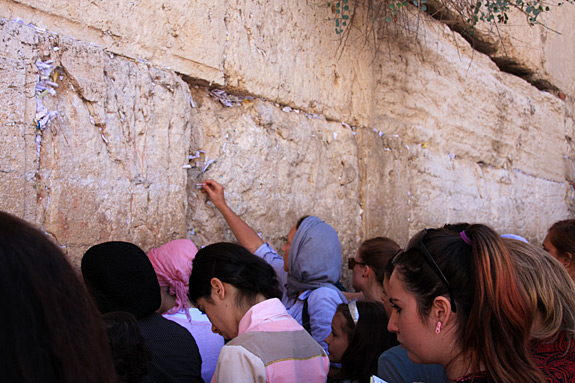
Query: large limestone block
point(109, 165)
point(187, 37)
point(385, 180)
point(18, 155)
point(289, 52)
point(542, 53)
point(454, 100)
point(451, 190)
point(276, 166)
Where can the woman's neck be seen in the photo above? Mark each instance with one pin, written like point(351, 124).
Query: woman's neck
point(373, 291)
point(459, 367)
point(246, 307)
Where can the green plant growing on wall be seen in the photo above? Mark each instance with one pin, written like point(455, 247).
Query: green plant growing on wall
point(341, 19)
point(472, 12)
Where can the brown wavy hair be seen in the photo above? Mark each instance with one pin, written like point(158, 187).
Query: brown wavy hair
point(51, 328)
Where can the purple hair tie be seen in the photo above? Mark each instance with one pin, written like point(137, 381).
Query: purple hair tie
point(465, 237)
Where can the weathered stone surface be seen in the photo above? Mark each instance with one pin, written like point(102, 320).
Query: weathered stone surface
point(190, 38)
point(385, 185)
point(455, 138)
point(296, 48)
point(229, 44)
point(511, 202)
point(276, 166)
point(471, 110)
point(106, 167)
point(17, 148)
point(539, 53)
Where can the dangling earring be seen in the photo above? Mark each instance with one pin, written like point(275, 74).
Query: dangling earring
point(438, 328)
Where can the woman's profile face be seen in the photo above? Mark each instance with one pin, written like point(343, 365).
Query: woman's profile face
point(168, 300)
point(417, 336)
point(285, 248)
point(385, 297)
point(221, 315)
point(337, 341)
point(548, 246)
point(357, 280)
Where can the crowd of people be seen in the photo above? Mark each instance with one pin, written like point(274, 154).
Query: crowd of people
point(459, 303)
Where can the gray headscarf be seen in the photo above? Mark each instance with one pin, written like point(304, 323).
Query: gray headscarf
point(314, 257)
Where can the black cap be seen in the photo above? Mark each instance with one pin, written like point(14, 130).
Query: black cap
point(121, 278)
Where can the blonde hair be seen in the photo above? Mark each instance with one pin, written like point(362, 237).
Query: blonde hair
point(549, 288)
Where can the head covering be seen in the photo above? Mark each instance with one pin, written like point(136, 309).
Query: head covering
point(173, 265)
point(314, 257)
point(121, 278)
point(514, 236)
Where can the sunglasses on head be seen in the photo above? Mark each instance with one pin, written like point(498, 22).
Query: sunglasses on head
point(416, 242)
point(351, 262)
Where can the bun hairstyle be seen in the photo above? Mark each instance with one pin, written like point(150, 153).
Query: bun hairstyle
point(494, 317)
point(235, 265)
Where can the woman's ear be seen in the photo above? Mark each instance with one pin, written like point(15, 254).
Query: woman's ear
point(218, 288)
point(367, 270)
point(441, 310)
point(568, 260)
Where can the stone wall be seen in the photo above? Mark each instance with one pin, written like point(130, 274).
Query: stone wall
point(417, 130)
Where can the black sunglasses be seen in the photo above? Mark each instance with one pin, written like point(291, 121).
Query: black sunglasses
point(351, 262)
point(416, 242)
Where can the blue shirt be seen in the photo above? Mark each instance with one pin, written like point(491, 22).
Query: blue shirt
point(394, 366)
point(322, 302)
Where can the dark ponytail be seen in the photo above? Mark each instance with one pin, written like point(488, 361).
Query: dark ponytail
point(232, 264)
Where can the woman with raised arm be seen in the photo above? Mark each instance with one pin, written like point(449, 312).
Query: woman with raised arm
point(457, 302)
point(308, 270)
point(240, 294)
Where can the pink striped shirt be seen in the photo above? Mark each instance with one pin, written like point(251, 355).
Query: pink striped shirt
point(271, 347)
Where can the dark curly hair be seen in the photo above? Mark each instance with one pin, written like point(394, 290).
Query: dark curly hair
point(131, 356)
point(368, 339)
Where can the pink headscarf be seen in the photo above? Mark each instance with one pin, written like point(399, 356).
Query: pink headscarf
point(173, 265)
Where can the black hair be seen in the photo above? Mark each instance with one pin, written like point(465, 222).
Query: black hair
point(51, 328)
point(131, 356)
point(368, 339)
point(300, 221)
point(232, 264)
